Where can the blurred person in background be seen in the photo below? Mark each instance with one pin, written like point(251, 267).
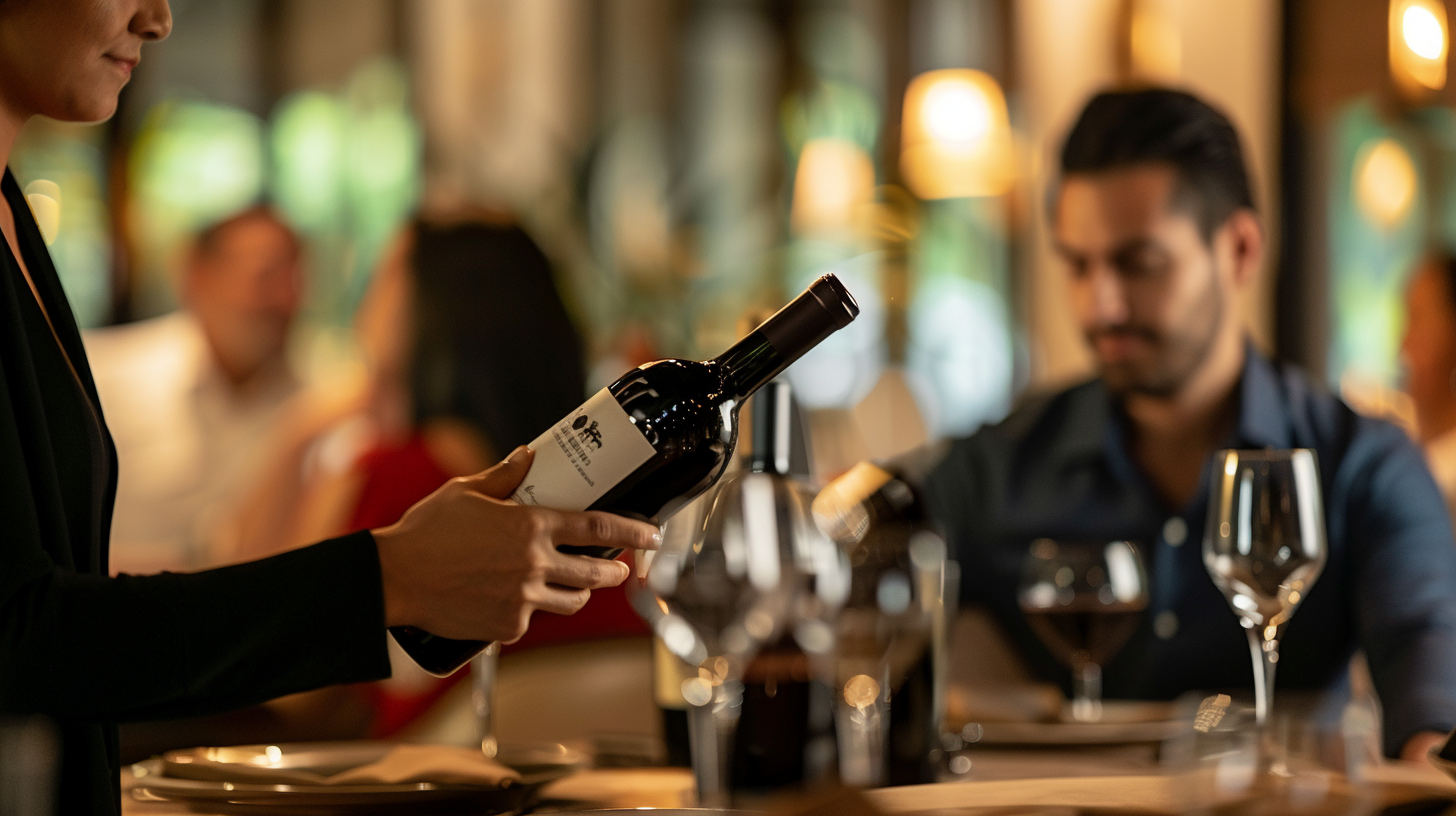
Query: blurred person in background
point(1154, 219)
point(87, 650)
point(189, 395)
point(1428, 350)
point(470, 351)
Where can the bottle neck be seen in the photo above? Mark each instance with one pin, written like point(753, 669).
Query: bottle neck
point(822, 309)
point(749, 364)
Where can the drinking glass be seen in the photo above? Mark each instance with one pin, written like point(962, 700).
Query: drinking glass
point(1264, 547)
point(723, 595)
point(1084, 600)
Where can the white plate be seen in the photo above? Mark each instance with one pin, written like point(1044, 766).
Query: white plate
point(247, 777)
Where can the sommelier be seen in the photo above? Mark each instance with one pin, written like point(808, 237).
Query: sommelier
point(89, 650)
point(1154, 220)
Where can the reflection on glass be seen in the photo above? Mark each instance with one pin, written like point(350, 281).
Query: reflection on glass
point(1084, 600)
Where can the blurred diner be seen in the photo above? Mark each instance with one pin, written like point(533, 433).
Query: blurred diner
point(469, 351)
point(1428, 350)
point(191, 396)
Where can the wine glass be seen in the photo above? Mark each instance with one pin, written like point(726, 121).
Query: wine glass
point(1084, 600)
point(723, 595)
point(1265, 547)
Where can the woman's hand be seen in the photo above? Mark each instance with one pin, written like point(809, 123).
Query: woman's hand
point(467, 563)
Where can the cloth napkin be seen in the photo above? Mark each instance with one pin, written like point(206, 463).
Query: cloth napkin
point(441, 764)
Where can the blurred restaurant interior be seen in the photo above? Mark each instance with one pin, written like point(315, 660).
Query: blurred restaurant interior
point(684, 166)
point(684, 162)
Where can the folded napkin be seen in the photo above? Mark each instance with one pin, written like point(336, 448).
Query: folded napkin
point(441, 764)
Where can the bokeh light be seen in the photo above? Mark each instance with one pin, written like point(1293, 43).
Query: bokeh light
point(957, 136)
point(1385, 182)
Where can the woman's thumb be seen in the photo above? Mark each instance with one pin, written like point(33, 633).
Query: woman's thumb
point(502, 480)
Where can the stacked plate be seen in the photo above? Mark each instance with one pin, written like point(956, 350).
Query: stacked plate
point(256, 777)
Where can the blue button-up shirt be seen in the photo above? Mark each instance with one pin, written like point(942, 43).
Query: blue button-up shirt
point(1060, 468)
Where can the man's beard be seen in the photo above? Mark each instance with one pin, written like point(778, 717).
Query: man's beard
point(1176, 355)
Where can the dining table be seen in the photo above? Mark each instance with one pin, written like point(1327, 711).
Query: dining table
point(1006, 782)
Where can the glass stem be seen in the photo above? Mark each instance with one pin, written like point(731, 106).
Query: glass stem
point(861, 734)
point(710, 734)
point(1087, 692)
point(1265, 653)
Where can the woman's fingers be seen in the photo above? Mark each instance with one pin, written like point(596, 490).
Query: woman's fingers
point(561, 600)
point(598, 529)
point(585, 572)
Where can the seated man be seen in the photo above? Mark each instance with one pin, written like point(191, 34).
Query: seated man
point(1154, 219)
point(190, 396)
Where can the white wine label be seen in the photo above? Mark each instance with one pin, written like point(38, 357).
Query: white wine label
point(583, 456)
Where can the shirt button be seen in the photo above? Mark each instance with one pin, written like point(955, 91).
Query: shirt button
point(1165, 625)
point(1175, 531)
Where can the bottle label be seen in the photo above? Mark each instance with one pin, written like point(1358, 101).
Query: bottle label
point(583, 456)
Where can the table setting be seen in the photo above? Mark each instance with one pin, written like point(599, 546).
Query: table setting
point(849, 584)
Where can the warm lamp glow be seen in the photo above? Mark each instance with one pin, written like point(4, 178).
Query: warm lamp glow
point(834, 182)
point(1418, 45)
point(1423, 33)
point(956, 112)
point(1385, 182)
point(1156, 48)
point(956, 141)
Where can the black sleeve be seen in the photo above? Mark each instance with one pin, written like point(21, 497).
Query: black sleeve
point(87, 647)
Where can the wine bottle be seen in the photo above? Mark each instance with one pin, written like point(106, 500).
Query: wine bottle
point(656, 438)
point(785, 734)
point(880, 502)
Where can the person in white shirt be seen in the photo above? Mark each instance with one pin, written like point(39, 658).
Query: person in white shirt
point(191, 396)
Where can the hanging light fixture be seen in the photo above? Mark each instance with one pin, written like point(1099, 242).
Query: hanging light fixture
point(1419, 44)
point(956, 136)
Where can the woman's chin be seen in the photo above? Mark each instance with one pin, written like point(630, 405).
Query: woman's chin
point(96, 103)
point(97, 110)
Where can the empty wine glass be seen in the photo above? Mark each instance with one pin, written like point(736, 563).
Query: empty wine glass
point(726, 593)
point(1265, 547)
point(1084, 600)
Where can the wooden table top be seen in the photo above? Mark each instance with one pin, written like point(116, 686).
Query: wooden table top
point(1003, 783)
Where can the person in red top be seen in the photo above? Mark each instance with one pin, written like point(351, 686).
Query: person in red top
point(471, 352)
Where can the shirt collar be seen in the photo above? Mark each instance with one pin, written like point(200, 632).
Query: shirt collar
point(1263, 415)
point(1097, 422)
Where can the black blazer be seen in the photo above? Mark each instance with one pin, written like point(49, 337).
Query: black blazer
point(88, 650)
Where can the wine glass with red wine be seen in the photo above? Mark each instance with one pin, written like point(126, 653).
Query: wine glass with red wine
point(1084, 599)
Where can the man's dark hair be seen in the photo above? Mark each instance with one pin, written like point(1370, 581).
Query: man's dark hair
point(1120, 129)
